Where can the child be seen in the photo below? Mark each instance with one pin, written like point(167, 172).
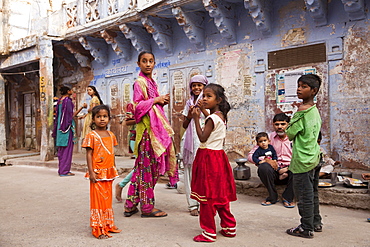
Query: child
point(102, 171)
point(327, 165)
point(154, 148)
point(191, 141)
point(129, 121)
point(304, 130)
point(266, 151)
point(212, 183)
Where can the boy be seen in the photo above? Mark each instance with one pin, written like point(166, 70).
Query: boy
point(267, 151)
point(304, 130)
point(327, 163)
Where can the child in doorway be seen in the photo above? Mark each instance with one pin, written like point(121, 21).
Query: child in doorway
point(191, 140)
point(304, 130)
point(266, 151)
point(99, 145)
point(129, 121)
point(327, 165)
point(212, 183)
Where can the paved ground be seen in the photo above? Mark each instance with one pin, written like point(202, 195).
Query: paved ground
point(38, 208)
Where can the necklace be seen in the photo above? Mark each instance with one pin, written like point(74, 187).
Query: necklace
point(218, 112)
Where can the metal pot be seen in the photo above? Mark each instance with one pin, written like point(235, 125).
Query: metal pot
point(242, 172)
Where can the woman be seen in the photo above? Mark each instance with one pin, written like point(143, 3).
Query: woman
point(64, 129)
point(153, 146)
point(95, 100)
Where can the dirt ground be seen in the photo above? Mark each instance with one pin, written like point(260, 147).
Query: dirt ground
point(38, 208)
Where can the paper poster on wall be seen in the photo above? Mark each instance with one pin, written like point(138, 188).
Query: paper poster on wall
point(286, 85)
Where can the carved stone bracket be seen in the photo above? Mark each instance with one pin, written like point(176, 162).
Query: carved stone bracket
point(355, 9)
point(318, 11)
point(261, 14)
point(192, 24)
point(75, 49)
point(161, 31)
point(121, 46)
point(97, 48)
point(140, 39)
point(223, 15)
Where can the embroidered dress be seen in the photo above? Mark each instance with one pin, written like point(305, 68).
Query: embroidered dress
point(86, 129)
point(101, 211)
point(64, 129)
point(153, 146)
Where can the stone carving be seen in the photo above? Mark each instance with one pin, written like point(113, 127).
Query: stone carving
point(83, 60)
point(71, 11)
point(120, 45)
point(223, 16)
point(97, 48)
point(192, 24)
point(355, 9)
point(140, 39)
point(318, 9)
point(260, 13)
point(161, 31)
point(112, 7)
point(92, 10)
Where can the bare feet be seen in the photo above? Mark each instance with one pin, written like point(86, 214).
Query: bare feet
point(119, 193)
point(366, 176)
point(194, 212)
point(283, 176)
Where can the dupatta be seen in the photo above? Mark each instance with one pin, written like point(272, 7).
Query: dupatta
point(151, 117)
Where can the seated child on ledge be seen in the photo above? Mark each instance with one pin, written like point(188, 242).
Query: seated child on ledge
point(266, 151)
point(327, 163)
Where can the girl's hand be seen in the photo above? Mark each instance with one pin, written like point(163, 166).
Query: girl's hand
point(84, 105)
point(162, 100)
point(195, 112)
point(201, 105)
point(92, 177)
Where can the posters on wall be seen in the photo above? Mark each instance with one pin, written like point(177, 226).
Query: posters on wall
point(286, 85)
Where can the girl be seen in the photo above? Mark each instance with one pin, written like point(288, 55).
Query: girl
point(191, 141)
point(95, 100)
point(213, 184)
point(102, 171)
point(64, 130)
point(153, 146)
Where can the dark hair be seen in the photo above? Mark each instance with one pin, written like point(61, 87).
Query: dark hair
point(144, 52)
point(320, 136)
point(281, 117)
point(64, 90)
point(313, 81)
point(95, 111)
point(96, 94)
point(220, 94)
point(261, 134)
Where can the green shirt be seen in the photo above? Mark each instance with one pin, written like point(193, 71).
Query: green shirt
point(304, 130)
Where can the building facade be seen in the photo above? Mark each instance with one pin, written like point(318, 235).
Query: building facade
point(256, 49)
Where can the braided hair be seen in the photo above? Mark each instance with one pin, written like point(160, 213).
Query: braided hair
point(220, 94)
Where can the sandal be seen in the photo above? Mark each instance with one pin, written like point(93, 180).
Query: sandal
point(130, 213)
point(288, 204)
point(153, 214)
point(66, 175)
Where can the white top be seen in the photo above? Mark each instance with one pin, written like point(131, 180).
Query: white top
point(216, 139)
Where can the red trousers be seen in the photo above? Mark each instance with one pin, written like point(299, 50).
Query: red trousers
point(207, 218)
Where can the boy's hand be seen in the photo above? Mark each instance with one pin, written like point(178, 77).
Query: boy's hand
point(195, 113)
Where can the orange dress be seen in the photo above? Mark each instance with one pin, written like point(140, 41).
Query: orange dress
point(101, 211)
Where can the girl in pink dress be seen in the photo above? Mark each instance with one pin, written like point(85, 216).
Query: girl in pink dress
point(213, 184)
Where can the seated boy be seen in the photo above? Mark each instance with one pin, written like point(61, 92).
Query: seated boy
point(266, 151)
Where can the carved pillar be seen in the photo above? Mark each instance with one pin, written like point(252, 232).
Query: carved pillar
point(83, 60)
point(45, 49)
point(161, 31)
point(261, 13)
point(318, 9)
point(224, 18)
point(120, 45)
point(2, 120)
point(140, 39)
point(97, 47)
point(192, 24)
